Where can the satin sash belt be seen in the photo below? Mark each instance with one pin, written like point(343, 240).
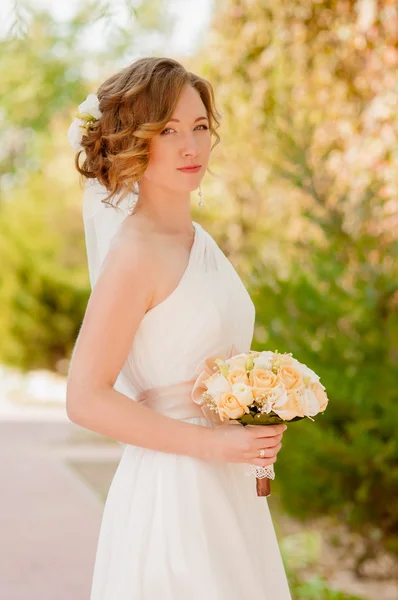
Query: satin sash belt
point(174, 401)
point(183, 400)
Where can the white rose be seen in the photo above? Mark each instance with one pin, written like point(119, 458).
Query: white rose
point(237, 361)
point(243, 393)
point(278, 397)
point(264, 359)
point(91, 106)
point(292, 407)
point(320, 395)
point(311, 404)
point(75, 134)
point(217, 384)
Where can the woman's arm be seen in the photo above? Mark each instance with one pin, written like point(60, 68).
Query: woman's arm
point(114, 311)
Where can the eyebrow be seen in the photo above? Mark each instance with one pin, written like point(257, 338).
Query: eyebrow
point(198, 119)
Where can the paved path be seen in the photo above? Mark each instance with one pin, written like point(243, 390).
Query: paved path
point(49, 515)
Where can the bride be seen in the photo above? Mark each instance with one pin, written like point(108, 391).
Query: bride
point(182, 521)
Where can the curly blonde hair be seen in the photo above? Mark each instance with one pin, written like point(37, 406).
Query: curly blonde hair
point(136, 103)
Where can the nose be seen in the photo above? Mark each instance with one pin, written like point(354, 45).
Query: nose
point(190, 146)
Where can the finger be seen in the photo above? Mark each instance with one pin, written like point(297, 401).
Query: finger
point(265, 443)
point(268, 442)
point(268, 452)
point(269, 430)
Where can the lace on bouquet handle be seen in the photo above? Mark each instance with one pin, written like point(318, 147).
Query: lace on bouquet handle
point(261, 472)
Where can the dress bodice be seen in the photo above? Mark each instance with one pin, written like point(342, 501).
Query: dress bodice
point(208, 311)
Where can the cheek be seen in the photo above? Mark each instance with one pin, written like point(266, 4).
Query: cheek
point(159, 159)
point(156, 152)
point(205, 143)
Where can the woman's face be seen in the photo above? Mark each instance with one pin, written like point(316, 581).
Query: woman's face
point(183, 142)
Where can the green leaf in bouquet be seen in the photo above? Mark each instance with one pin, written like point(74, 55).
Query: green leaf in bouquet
point(249, 362)
point(223, 367)
point(264, 419)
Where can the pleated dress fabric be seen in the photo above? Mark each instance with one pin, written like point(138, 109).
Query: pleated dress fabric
point(176, 527)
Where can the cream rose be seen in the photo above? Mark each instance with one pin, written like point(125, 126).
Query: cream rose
point(263, 381)
point(229, 406)
point(237, 374)
point(294, 406)
point(286, 358)
point(263, 378)
point(304, 370)
point(291, 378)
point(320, 395)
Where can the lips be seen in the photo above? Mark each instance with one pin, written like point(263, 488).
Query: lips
point(192, 169)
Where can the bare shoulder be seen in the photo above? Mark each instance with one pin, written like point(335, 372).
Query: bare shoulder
point(132, 252)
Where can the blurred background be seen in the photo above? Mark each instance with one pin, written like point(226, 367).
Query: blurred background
point(304, 202)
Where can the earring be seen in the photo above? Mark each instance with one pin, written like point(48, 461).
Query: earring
point(133, 199)
point(132, 204)
point(200, 194)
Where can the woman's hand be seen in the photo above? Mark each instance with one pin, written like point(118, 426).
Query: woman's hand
point(236, 443)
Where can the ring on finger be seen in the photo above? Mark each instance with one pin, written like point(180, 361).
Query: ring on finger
point(262, 453)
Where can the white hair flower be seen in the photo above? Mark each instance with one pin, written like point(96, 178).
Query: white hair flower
point(88, 113)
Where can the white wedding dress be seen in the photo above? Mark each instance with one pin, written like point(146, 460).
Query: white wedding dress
point(176, 527)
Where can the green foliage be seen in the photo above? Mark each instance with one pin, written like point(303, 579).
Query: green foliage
point(44, 285)
point(336, 312)
point(316, 589)
point(345, 461)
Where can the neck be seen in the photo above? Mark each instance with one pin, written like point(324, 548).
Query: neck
point(166, 209)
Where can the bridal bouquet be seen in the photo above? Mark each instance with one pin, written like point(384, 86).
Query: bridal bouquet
point(259, 388)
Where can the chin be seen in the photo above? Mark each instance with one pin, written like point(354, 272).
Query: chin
point(194, 185)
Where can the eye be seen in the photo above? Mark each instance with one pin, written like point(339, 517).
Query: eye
point(170, 129)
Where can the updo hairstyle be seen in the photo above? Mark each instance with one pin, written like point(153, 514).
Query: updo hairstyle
point(136, 103)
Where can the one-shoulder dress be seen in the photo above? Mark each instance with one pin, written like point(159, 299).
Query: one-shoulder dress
point(176, 527)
